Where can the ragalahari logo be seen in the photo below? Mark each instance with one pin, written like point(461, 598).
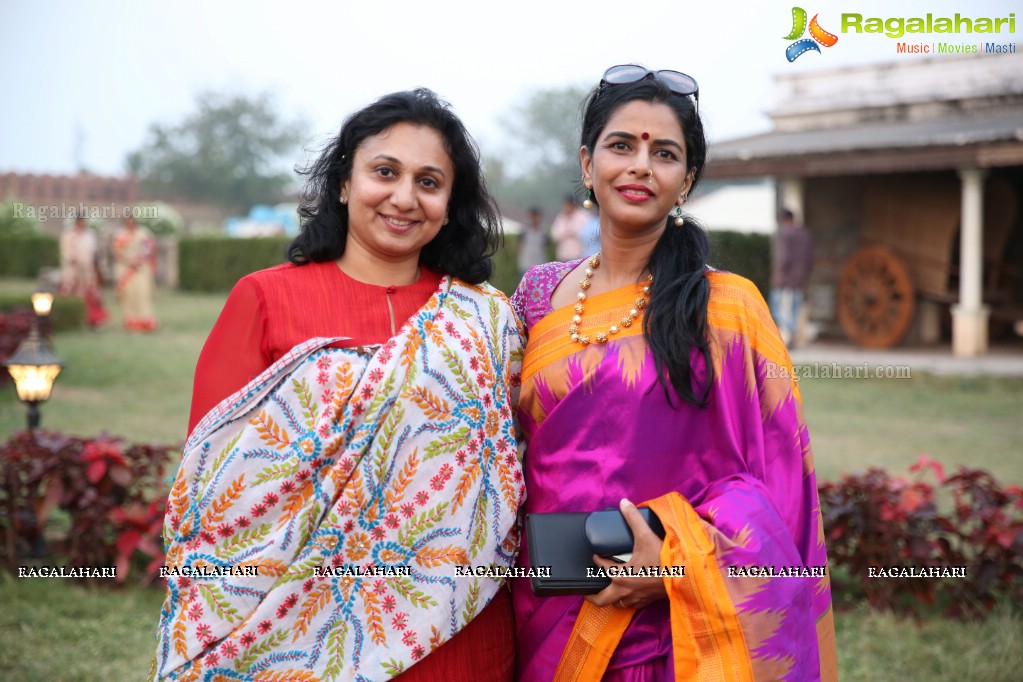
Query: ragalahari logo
point(817, 35)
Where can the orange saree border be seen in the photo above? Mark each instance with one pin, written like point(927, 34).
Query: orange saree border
point(735, 305)
point(707, 637)
point(549, 337)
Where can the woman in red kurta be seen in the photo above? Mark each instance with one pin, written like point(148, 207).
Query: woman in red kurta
point(396, 208)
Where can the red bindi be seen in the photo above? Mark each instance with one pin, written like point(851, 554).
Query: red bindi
point(645, 136)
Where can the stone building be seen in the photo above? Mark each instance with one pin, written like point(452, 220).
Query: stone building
point(910, 174)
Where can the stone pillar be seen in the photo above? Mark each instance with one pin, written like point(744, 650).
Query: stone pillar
point(970, 315)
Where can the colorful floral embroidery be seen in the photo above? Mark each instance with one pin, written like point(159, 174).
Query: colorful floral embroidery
point(333, 462)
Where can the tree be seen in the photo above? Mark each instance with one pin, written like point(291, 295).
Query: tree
point(231, 152)
point(541, 163)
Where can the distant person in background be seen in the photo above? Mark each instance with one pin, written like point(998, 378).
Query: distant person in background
point(134, 272)
point(533, 242)
point(79, 250)
point(568, 230)
point(792, 262)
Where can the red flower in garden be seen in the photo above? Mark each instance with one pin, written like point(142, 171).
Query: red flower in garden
point(399, 620)
point(264, 627)
point(418, 652)
point(229, 649)
point(104, 457)
point(248, 639)
point(270, 499)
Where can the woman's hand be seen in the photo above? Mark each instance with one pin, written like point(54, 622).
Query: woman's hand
point(630, 592)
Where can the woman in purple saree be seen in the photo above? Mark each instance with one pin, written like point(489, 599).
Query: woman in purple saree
point(649, 377)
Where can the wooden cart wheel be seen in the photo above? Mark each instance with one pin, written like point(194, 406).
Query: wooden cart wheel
point(875, 298)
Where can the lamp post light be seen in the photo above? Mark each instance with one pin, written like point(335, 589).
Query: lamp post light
point(42, 303)
point(34, 366)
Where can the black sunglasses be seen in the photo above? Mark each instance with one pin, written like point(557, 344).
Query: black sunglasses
point(676, 81)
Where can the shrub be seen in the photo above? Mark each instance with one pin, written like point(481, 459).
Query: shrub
point(13, 221)
point(25, 254)
point(216, 263)
point(14, 328)
point(875, 520)
point(67, 313)
point(112, 493)
point(744, 254)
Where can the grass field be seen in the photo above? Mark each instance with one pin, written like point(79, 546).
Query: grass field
point(138, 387)
point(93, 634)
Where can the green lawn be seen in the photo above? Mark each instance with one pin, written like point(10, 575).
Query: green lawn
point(91, 634)
point(139, 387)
point(855, 423)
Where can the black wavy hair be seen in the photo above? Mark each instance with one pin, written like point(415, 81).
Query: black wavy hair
point(675, 322)
point(463, 248)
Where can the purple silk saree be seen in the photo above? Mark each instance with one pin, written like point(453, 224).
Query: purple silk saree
point(599, 428)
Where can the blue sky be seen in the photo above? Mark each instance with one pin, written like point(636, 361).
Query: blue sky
point(83, 81)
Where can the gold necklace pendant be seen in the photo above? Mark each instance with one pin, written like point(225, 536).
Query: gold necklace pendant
point(604, 336)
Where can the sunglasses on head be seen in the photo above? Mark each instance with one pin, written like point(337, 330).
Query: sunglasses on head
point(676, 81)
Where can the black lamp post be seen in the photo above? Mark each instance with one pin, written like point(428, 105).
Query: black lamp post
point(34, 366)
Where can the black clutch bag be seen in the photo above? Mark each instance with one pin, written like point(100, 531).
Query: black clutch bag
point(565, 542)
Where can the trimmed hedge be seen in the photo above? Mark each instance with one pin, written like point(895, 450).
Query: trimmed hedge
point(67, 313)
point(24, 255)
point(744, 254)
point(216, 263)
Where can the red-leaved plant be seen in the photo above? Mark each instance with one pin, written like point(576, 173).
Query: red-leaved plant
point(967, 521)
point(113, 494)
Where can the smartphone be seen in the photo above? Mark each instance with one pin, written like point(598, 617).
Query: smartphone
point(609, 535)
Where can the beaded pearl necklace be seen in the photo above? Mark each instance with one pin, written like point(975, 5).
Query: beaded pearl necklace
point(602, 337)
